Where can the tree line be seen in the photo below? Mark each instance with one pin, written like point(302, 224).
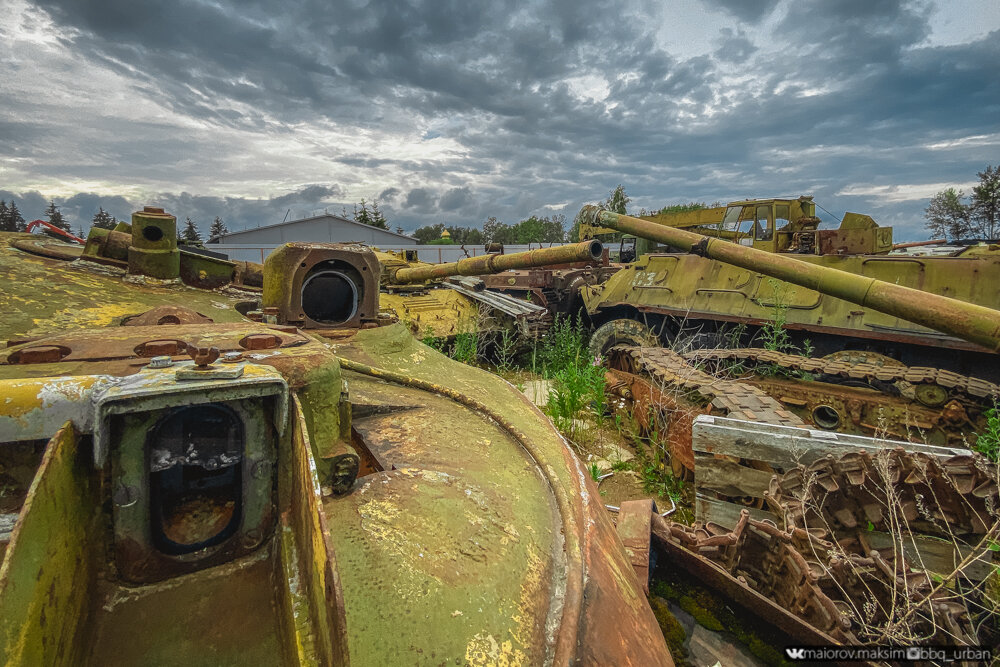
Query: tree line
point(952, 215)
point(548, 229)
point(534, 229)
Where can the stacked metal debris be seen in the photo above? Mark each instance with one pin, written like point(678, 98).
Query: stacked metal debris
point(957, 496)
point(822, 567)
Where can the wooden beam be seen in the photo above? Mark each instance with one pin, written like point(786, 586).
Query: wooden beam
point(729, 478)
point(727, 514)
point(786, 446)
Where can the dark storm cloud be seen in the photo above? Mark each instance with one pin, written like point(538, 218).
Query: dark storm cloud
point(850, 95)
point(856, 33)
point(420, 200)
point(455, 199)
point(310, 194)
point(237, 212)
point(389, 194)
point(734, 47)
point(30, 204)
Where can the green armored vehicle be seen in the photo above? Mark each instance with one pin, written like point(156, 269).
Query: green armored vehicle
point(666, 294)
point(852, 390)
point(183, 485)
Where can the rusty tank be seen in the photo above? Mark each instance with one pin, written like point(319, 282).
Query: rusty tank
point(851, 391)
point(444, 299)
point(555, 287)
point(185, 485)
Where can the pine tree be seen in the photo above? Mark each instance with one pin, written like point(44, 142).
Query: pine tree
point(15, 219)
point(377, 219)
point(5, 225)
point(190, 233)
point(56, 218)
point(947, 215)
point(217, 229)
point(103, 220)
point(364, 215)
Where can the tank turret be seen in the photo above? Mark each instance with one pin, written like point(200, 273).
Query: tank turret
point(181, 485)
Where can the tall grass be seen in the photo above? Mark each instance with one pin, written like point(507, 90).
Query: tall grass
point(577, 383)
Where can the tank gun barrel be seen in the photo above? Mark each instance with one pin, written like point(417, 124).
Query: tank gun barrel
point(967, 321)
point(476, 266)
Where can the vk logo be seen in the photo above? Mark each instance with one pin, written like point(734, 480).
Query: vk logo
point(796, 653)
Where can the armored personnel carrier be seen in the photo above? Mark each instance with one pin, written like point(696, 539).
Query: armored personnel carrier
point(182, 485)
point(855, 392)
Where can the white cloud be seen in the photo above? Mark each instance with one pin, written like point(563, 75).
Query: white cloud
point(902, 193)
point(974, 141)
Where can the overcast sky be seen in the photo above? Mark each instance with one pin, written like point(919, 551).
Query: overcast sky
point(455, 110)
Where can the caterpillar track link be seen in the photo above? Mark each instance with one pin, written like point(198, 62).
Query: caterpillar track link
point(919, 404)
point(956, 497)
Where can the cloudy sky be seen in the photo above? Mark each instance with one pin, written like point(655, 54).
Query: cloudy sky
point(455, 110)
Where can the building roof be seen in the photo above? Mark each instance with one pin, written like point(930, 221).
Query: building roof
point(322, 216)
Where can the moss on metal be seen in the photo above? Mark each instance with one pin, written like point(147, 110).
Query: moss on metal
point(40, 296)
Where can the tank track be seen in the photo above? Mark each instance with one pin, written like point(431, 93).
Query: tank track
point(742, 400)
point(846, 596)
point(957, 496)
point(953, 382)
point(821, 566)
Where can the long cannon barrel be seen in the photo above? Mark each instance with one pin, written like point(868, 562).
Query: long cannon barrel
point(967, 321)
point(585, 251)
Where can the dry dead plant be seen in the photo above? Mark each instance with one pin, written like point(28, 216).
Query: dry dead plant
point(899, 589)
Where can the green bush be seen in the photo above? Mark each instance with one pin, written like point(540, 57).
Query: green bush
point(988, 442)
point(563, 346)
point(465, 347)
point(576, 387)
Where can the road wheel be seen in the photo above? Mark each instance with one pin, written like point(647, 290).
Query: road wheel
point(621, 332)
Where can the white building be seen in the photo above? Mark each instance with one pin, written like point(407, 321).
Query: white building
point(254, 244)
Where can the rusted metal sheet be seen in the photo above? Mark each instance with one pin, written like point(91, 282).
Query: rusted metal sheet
point(635, 528)
point(312, 596)
point(557, 289)
point(532, 320)
point(166, 315)
point(657, 410)
point(50, 562)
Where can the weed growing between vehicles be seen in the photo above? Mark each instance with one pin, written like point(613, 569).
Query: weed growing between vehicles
point(988, 442)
